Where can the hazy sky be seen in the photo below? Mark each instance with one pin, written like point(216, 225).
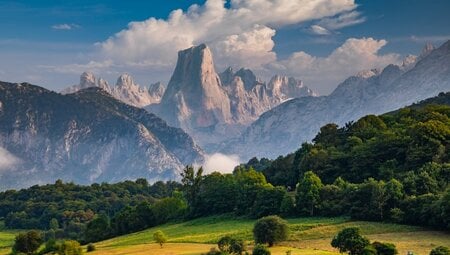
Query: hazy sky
point(49, 43)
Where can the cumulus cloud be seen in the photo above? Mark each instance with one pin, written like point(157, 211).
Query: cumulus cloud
point(323, 73)
point(65, 26)
point(248, 24)
point(220, 163)
point(7, 160)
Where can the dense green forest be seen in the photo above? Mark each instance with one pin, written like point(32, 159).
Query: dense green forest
point(394, 167)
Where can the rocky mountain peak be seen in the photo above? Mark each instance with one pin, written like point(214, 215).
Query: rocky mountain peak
point(365, 74)
point(248, 77)
point(125, 80)
point(427, 49)
point(87, 79)
point(227, 76)
point(194, 96)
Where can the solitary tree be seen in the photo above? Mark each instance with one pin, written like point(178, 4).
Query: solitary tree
point(28, 242)
point(160, 237)
point(270, 229)
point(350, 240)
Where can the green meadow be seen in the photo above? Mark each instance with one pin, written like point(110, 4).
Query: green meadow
point(307, 236)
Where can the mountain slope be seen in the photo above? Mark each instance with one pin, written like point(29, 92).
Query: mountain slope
point(85, 137)
point(285, 127)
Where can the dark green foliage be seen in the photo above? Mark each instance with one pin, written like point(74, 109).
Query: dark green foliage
point(69, 206)
point(268, 201)
point(369, 250)
point(350, 240)
point(230, 245)
point(270, 230)
point(308, 193)
point(385, 248)
point(28, 242)
point(260, 250)
point(98, 229)
point(191, 181)
point(440, 250)
point(90, 247)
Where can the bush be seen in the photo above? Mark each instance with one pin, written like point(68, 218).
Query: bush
point(160, 237)
point(70, 247)
point(231, 245)
point(28, 242)
point(90, 247)
point(260, 250)
point(270, 230)
point(385, 248)
point(440, 250)
point(350, 240)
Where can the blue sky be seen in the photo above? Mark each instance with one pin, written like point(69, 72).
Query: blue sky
point(50, 42)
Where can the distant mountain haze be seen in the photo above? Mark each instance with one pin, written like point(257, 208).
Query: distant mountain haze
point(282, 129)
point(86, 137)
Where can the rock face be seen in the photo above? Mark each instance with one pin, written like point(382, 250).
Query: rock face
point(284, 128)
point(126, 90)
point(213, 107)
point(194, 97)
point(86, 137)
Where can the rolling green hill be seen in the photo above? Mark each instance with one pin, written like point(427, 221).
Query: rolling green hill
point(307, 236)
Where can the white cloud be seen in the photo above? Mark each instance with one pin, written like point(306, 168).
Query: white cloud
point(220, 163)
point(7, 160)
point(318, 30)
point(246, 24)
point(324, 73)
point(342, 20)
point(65, 26)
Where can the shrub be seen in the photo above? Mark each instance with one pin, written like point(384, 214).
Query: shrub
point(231, 245)
point(350, 240)
point(70, 247)
point(90, 247)
point(440, 250)
point(28, 242)
point(160, 237)
point(260, 250)
point(385, 248)
point(270, 230)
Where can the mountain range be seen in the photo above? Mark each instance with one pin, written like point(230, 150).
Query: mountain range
point(93, 132)
point(125, 90)
point(282, 129)
point(86, 137)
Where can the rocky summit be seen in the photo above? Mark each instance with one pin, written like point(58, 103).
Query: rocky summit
point(213, 107)
point(125, 90)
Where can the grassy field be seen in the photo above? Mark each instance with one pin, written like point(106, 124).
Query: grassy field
point(6, 239)
point(307, 236)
